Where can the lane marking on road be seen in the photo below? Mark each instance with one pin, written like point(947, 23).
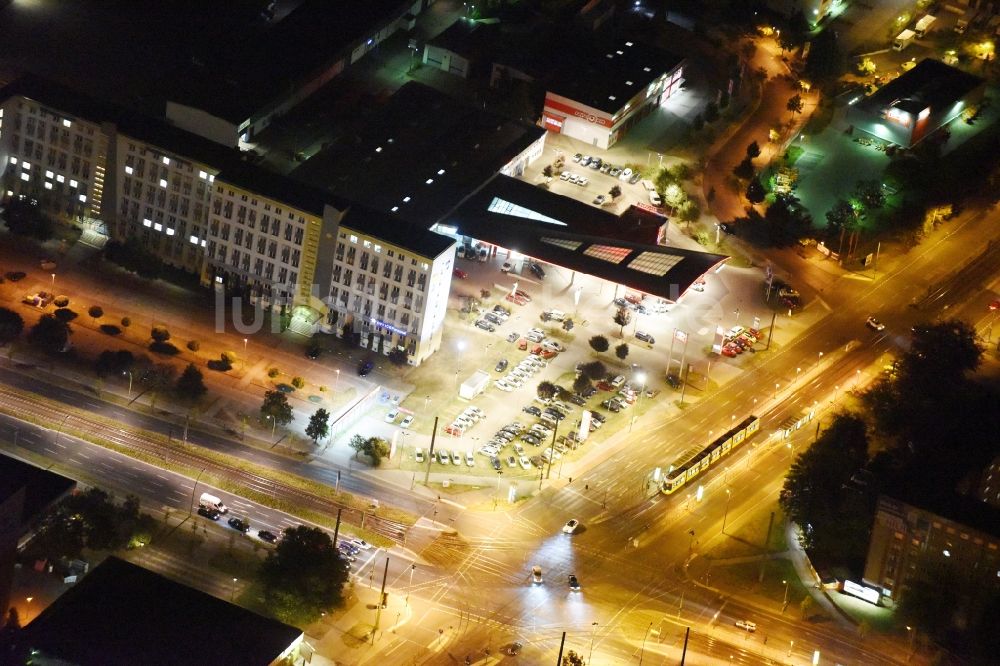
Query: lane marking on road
point(452, 503)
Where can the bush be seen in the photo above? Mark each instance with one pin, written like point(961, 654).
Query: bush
point(229, 357)
point(60, 301)
point(273, 372)
point(95, 312)
point(65, 315)
point(110, 329)
point(165, 348)
point(126, 322)
point(159, 334)
point(599, 343)
point(220, 365)
point(193, 345)
point(298, 382)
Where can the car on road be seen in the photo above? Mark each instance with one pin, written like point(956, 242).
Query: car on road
point(418, 454)
point(211, 514)
point(392, 416)
point(747, 625)
point(645, 337)
point(874, 324)
point(407, 421)
point(265, 535)
point(313, 352)
point(536, 575)
point(485, 325)
point(571, 526)
point(360, 544)
point(573, 582)
point(365, 369)
point(239, 525)
point(994, 305)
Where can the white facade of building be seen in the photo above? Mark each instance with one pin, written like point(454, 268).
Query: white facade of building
point(52, 157)
point(163, 200)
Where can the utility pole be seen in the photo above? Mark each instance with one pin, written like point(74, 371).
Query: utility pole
point(194, 490)
point(552, 454)
point(381, 601)
point(686, 372)
point(336, 528)
point(430, 453)
point(562, 644)
point(687, 632)
point(770, 331)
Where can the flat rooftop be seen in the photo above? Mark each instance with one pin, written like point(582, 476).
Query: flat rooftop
point(121, 613)
point(391, 229)
point(930, 84)
point(569, 233)
point(605, 78)
point(41, 487)
point(420, 153)
point(237, 75)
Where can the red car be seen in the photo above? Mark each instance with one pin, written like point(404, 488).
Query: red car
point(548, 353)
point(731, 350)
point(605, 386)
point(460, 274)
point(522, 344)
point(516, 299)
point(995, 305)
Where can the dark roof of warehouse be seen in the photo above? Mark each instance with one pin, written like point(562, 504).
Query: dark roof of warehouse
point(234, 79)
point(41, 487)
point(156, 132)
point(121, 613)
point(605, 78)
point(568, 233)
point(420, 153)
point(392, 229)
point(466, 38)
point(930, 84)
point(290, 191)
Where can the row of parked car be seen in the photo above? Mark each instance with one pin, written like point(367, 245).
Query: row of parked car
point(493, 318)
point(739, 340)
point(464, 421)
point(597, 164)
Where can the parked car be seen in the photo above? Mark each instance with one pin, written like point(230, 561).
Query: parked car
point(418, 454)
point(645, 337)
point(442, 457)
point(582, 181)
point(460, 274)
point(633, 179)
point(501, 365)
point(485, 325)
point(365, 369)
point(626, 174)
point(577, 157)
point(599, 200)
point(406, 422)
point(391, 416)
point(507, 267)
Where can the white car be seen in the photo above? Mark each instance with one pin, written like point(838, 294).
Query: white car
point(456, 457)
point(525, 463)
point(654, 198)
point(553, 345)
point(625, 174)
point(442, 457)
point(507, 267)
point(392, 416)
point(749, 626)
point(406, 422)
point(582, 181)
point(555, 315)
point(418, 454)
point(361, 544)
point(470, 459)
point(535, 337)
point(571, 526)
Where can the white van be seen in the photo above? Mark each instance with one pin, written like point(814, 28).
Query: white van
point(212, 502)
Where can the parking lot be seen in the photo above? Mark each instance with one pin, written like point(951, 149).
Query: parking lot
point(525, 348)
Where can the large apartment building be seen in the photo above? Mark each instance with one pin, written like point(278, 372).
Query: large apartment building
point(198, 206)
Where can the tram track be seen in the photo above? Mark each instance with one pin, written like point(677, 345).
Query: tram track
point(46, 415)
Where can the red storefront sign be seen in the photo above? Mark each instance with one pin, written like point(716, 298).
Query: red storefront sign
point(589, 117)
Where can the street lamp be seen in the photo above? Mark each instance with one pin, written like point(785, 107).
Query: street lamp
point(593, 630)
point(797, 371)
point(413, 567)
point(245, 340)
point(729, 496)
point(635, 413)
point(53, 279)
point(643, 650)
point(784, 604)
point(336, 379)
point(129, 372)
point(232, 594)
point(776, 386)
